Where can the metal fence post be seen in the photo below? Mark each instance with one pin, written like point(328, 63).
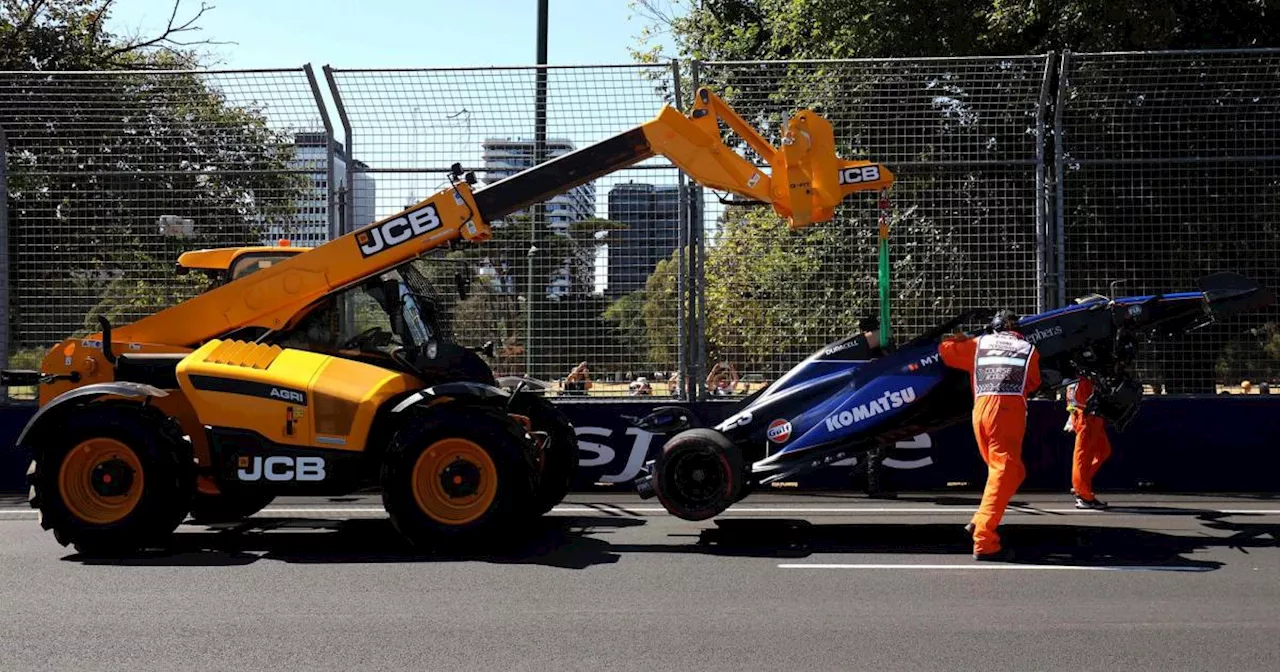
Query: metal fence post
point(539, 210)
point(1043, 253)
point(682, 240)
point(349, 159)
point(4, 260)
point(700, 278)
point(698, 281)
point(1059, 179)
point(328, 153)
point(348, 221)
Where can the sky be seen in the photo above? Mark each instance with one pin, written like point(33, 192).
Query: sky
point(397, 33)
point(427, 120)
point(351, 34)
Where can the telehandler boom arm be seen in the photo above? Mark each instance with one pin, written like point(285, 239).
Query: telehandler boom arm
point(805, 183)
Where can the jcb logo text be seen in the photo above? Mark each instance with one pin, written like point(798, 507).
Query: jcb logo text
point(281, 468)
point(857, 175)
point(388, 234)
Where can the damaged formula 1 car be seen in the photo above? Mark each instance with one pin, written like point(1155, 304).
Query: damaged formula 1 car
point(854, 395)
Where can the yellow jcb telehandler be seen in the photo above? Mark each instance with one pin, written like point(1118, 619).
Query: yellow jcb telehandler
point(259, 387)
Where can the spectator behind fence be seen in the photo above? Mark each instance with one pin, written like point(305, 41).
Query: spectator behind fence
point(723, 380)
point(577, 382)
point(640, 387)
point(673, 385)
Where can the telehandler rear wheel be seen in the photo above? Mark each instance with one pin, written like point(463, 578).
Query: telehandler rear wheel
point(558, 460)
point(118, 478)
point(457, 473)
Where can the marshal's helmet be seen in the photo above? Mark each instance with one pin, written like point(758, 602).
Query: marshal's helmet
point(1005, 320)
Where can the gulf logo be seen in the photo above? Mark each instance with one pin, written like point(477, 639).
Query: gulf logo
point(779, 431)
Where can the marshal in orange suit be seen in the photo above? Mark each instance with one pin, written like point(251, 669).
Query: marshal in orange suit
point(1092, 447)
point(1004, 369)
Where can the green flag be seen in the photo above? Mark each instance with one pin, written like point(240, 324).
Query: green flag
point(885, 332)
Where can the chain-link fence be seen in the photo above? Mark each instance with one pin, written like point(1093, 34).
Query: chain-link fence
point(961, 134)
point(1167, 166)
point(563, 283)
point(110, 176)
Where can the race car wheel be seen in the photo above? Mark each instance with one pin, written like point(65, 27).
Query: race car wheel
point(558, 457)
point(457, 473)
point(119, 478)
point(227, 506)
point(698, 475)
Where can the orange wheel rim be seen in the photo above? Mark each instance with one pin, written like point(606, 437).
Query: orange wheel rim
point(101, 481)
point(454, 481)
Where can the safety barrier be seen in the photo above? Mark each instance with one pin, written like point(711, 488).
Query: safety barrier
point(1173, 445)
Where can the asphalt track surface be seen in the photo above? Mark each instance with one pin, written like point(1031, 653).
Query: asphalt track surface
point(606, 582)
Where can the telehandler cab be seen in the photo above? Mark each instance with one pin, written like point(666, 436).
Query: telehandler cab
point(259, 387)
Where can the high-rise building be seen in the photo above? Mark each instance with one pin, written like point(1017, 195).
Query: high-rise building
point(504, 157)
point(651, 214)
point(309, 226)
point(364, 191)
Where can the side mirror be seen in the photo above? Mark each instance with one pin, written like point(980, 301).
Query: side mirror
point(107, 352)
point(667, 420)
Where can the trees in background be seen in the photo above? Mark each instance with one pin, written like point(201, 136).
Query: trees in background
point(94, 160)
point(969, 241)
point(53, 35)
point(645, 321)
point(822, 29)
point(572, 322)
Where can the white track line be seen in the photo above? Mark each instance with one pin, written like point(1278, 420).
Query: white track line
point(1117, 510)
point(950, 510)
point(954, 511)
point(999, 565)
point(321, 509)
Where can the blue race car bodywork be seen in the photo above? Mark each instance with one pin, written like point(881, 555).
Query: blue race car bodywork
point(850, 396)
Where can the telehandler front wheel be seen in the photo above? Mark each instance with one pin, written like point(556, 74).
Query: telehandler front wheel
point(456, 473)
point(118, 478)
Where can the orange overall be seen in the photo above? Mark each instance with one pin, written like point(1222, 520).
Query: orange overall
point(1092, 445)
point(1004, 368)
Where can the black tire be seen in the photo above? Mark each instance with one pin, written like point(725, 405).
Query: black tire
point(558, 461)
point(699, 474)
point(510, 477)
point(228, 506)
point(164, 487)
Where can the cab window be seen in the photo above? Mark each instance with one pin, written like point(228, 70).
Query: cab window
point(248, 264)
point(380, 315)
